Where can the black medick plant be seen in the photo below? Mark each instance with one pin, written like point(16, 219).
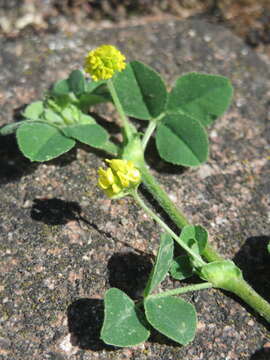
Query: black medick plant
point(178, 120)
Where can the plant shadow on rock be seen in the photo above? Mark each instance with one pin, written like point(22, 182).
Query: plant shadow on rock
point(253, 259)
point(154, 160)
point(12, 162)
point(158, 209)
point(110, 126)
point(158, 338)
point(129, 272)
point(263, 354)
point(55, 211)
point(64, 159)
point(85, 318)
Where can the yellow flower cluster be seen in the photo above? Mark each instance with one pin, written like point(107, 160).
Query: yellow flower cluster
point(118, 178)
point(103, 62)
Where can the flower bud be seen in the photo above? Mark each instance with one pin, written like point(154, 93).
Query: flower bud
point(222, 274)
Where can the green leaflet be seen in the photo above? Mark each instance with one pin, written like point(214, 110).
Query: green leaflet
point(123, 323)
point(34, 110)
point(90, 134)
point(52, 117)
point(195, 236)
point(141, 91)
point(182, 140)
point(181, 267)
point(173, 317)
point(162, 265)
point(61, 87)
point(10, 128)
point(200, 96)
point(42, 142)
point(76, 82)
point(87, 92)
point(94, 85)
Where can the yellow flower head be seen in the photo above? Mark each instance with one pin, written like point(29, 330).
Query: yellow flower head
point(119, 178)
point(103, 62)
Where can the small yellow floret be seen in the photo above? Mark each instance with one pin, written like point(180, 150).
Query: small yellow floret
point(121, 176)
point(106, 178)
point(103, 62)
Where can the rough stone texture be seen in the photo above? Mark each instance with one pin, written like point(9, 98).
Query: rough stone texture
point(62, 241)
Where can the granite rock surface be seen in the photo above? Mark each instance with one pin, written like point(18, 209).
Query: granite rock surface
point(63, 244)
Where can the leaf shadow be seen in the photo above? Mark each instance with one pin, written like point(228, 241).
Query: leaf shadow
point(158, 209)
point(156, 163)
point(112, 127)
point(15, 165)
point(12, 162)
point(55, 211)
point(254, 260)
point(85, 318)
point(129, 272)
point(158, 338)
point(262, 354)
point(64, 159)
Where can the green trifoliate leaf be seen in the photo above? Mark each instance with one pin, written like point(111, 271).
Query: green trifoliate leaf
point(76, 82)
point(90, 86)
point(182, 140)
point(58, 103)
point(96, 92)
point(90, 134)
point(52, 117)
point(86, 119)
point(173, 317)
point(141, 91)
point(10, 128)
point(162, 265)
point(71, 114)
point(195, 236)
point(201, 96)
point(61, 87)
point(88, 100)
point(41, 141)
point(34, 110)
point(123, 323)
point(181, 267)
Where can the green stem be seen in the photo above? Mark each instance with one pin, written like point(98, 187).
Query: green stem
point(175, 214)
point(183, 290)
point(243, 289)
point(148, 132)
point(128, 131)
point(252, 298)
point(150, 129)
point(139, 200)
